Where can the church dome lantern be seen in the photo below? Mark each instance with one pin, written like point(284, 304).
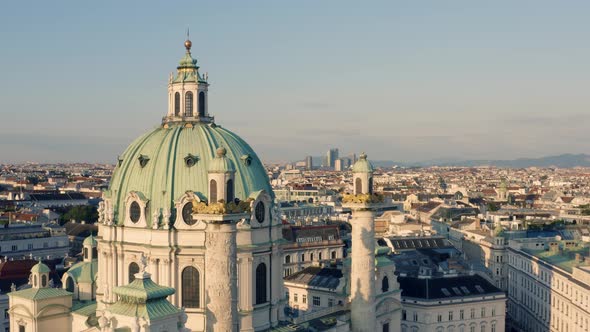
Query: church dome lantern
point(362, 176)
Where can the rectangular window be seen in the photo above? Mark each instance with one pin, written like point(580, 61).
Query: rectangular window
point(304, 298)
point(472, 313)
point(30, 246)
point(21, 328)
point(316, 301)
point(330, 302)
point(439, 318)
point(403, 315)
point(287, 295)
point(450, 315)
point(415, 317)
point(45, 245)
point(295, 297)
point(462, 314)
point(15, 248)
point(483, 312)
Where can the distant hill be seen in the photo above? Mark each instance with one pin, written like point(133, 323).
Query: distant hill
point(561, 161)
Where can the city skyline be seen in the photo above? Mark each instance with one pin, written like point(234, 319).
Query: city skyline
point(462, 80)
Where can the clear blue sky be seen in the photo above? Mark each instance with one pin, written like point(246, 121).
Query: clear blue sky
point(401, 80)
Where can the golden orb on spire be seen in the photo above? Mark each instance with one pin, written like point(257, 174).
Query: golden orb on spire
point(188, 44)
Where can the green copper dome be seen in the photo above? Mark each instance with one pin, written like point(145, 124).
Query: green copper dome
point(162, 165)
point(221, 163)
point(40, 268)
point(90, 241)
point(362, 165)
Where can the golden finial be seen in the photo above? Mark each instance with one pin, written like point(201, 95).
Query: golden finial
point(188, 42)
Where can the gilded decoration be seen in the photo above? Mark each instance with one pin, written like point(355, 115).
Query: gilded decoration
point(362, 198)
point(222, 208)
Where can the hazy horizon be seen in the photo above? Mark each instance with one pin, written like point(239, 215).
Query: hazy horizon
point(401, 81)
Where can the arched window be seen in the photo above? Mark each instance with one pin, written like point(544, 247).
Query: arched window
point(311, 256)
point(213, 191)
point(94, 253)
point(133, 269)
point(261, 283)
point(70, 284)
point(385, 284)
point(85, 253)
point(371, 185)
point(190, 288)
point(358, 186)
point(333, 254)
point(320, 256)
point(188, 104)
point(229, 192)
point(35, 280)
point(177, 104)
point(44, 280)
point(201, 103)
point(287, 259)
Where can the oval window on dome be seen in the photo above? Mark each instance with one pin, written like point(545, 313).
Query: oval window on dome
point(134, 212)
point(259, 212)
point(187, 214)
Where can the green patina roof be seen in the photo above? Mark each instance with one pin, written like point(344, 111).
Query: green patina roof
point(84, 308)
point(84, 272)
point(221, 164)
point(143, 298)
point(40, 268)
point(142, 290)
point(362, 165)
point(40, 293)
point(188, 71)
point(90, 241)
point(166, 176)
point(151, 310)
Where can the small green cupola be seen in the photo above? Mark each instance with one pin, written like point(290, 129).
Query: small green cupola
point(40, 276)
point(221, 178)
point(362, 176)
point(90, 250)
point(187, 92)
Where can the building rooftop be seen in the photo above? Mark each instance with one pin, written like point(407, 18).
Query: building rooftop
point(446, 288)
point(564, 259)
point(317, 277)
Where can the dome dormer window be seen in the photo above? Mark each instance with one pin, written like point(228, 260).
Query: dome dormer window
point(188, 104)
point(143, 160)
point(190, 160)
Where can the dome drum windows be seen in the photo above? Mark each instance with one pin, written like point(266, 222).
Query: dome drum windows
point(187, 214)
point(260, 212)
point(177, 104)
point(188, 104)
point(202, 104)
point(135, 210)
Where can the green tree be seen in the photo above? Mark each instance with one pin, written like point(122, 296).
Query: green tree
point(87, 213)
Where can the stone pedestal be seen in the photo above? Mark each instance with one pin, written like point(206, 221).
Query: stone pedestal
point(221, 277)
point(362, 276)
